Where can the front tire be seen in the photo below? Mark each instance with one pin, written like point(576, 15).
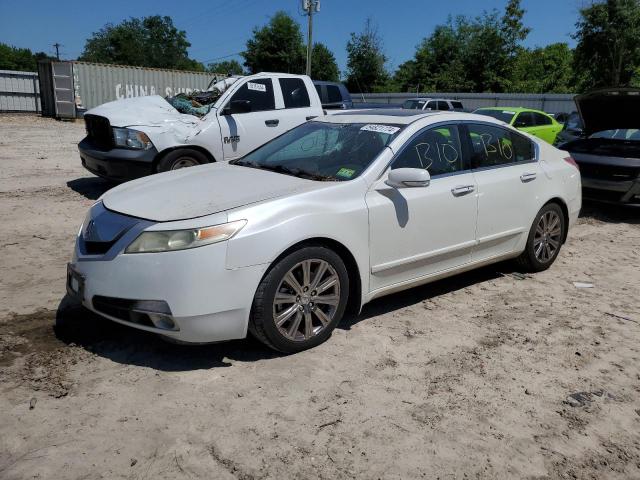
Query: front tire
point(300, 300)
point(545, 239)
point(181, 158)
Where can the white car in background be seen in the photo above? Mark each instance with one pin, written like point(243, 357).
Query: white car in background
point(324, 218)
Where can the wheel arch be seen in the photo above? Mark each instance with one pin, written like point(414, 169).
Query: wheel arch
point(354, 301)
point(167, 151)
point(565, 211)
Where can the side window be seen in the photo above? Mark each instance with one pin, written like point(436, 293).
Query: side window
point(457, 105)
point(442, 105)
point(432, 105)
point(294, 93)
point(323, 99)
point(436, 150)
point(524, 120)
point(495, 146)
point(259, 93)
point(333, 94)
point(541, 119)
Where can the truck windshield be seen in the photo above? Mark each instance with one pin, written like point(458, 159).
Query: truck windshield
point(323, 151)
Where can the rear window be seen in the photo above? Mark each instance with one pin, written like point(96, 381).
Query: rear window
point(294, 93)
point(504, 115)
point(442, 105)
point(457, 105)
point(333, 94)
point(413, 104)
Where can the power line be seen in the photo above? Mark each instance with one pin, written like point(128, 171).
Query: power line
point(223, 56)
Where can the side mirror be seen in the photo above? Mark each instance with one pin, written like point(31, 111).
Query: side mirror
point(408, 177)
point(237, 106)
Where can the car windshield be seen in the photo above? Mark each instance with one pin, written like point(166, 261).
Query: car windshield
point(573, 122)
point(504, 115)
point(413, 104)
point(632, 134)
point(323, 151)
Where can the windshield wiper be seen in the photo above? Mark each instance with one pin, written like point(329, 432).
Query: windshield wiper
point(295, 172)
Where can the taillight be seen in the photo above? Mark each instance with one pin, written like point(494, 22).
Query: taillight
point(571, 161)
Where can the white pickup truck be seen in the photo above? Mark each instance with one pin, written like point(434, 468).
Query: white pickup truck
point(134, 137)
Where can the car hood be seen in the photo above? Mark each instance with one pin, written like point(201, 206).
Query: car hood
point(152, 110)
point(609, 109)
point(202, 190)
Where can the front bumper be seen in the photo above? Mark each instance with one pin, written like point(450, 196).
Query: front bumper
point(117, 164)
point(187, 295)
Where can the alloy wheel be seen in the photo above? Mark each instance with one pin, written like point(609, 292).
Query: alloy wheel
point(306, 300)
point(548, 236)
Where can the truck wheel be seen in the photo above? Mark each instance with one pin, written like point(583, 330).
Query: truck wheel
point(181, 158)
point(301, 300)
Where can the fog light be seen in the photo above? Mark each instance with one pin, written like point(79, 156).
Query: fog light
point(162, 321)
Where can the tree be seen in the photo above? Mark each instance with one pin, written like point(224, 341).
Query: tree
point(21, 59)
point(143, 42)
point(513, 30)
point(229, 67)
point(365, 60)
point(544, 70)
point(323, 64)
point(607, 51)
point(276, 47)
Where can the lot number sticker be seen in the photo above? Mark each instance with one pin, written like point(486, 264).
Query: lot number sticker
point(388, 129)
point(258, 87)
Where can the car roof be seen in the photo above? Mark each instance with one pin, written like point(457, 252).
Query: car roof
point(400, 116)
point(513, 109)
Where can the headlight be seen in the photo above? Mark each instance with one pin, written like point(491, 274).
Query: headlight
point(169, 240)
point(127, 138)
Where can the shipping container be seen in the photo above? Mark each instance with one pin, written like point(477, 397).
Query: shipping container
point(19, 91)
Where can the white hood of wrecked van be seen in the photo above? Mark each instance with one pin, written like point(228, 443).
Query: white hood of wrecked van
point(198, 191)
point(151, 111)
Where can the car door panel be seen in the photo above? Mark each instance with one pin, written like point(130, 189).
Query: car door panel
point(507, 175)
point(420, 231)
point(244, 132)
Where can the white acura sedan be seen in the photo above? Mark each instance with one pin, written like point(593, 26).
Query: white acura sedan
point(321, 220)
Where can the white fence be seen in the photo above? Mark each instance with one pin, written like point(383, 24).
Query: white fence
point(547, 102)
point(19, 91)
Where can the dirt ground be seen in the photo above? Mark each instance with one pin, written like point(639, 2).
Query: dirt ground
point(485, 375)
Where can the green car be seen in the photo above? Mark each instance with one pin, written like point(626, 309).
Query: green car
point(531, 121)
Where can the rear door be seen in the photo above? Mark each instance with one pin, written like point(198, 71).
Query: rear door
point(296, 108)
point(507, 175)
point(546, 127)
point(243, 132)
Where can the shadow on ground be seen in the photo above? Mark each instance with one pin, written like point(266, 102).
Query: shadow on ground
point(610, 213)
point(119, 343)
point(90, 187)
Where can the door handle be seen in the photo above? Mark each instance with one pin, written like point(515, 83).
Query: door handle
point(271, 123)
point(527, 177)
point(462, 190)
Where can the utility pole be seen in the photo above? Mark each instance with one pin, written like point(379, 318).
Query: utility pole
point(57, 45)
point(310, 7)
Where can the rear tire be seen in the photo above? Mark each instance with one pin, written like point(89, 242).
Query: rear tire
point(181, 158)
point(545, 239)
point(300, 300)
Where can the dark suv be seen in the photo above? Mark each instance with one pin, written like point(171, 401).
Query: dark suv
point(609, 151)
point(333, 95)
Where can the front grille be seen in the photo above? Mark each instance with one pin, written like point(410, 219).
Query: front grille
point(96, 248)
point(608, 172)
point(99, 131)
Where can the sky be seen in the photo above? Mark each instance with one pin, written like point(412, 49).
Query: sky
point(218, 29)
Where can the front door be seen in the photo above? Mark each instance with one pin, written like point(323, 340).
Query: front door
point(243, 132)
point(419, 231)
